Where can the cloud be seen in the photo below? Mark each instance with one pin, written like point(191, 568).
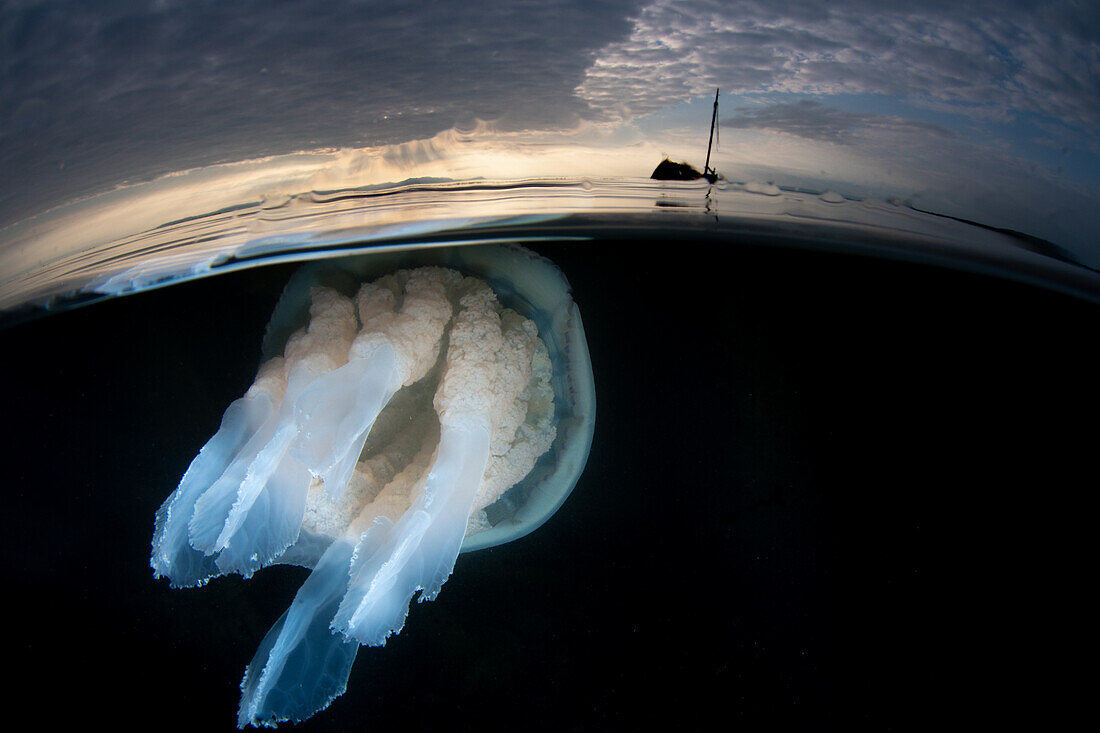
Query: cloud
point(812, 120)
point(95, 94)
point(1003, 56)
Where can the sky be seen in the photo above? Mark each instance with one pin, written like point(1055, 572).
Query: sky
point(988, 111)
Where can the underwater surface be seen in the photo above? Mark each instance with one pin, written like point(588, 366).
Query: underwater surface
point(824, 489)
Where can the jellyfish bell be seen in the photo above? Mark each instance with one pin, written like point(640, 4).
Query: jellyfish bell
point(410, 405)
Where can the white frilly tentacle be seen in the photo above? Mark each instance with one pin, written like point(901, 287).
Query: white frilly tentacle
point(173, 557)
point(419, 551)
point(225, 522)
point(242, 501)
point(301, 666)
point(337, 411)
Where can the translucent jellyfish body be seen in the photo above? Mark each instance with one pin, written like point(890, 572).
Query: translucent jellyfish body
point(408, 406)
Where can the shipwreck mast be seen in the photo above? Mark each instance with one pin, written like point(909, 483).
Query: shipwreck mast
point(709, 173)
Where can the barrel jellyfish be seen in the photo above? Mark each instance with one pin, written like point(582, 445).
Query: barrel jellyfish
point(408, 406)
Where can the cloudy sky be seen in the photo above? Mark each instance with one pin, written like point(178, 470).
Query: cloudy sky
point(985, 110)
point(995, 58)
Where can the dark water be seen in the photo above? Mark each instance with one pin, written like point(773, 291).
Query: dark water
point(824, 491)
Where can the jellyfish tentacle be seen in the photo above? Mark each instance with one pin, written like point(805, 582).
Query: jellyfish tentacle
point(253, 511)
point(267, 516)
point(222, 508)
point(301, 666)
point(217, 499)
point(419, 552)
point(488, 367)
point(262, 463)
point(261, 470)
point(395, 348)
point(337, 411)
point(173, 556)
point(271, 524)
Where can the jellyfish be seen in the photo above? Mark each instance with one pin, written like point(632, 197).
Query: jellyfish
point(408, 406)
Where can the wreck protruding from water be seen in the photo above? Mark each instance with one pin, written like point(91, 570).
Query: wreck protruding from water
point(670, 170)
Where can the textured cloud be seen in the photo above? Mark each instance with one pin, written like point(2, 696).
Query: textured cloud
point(992, 57)
point(93, 94)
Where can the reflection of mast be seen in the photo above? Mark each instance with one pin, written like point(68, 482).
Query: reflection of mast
point(709, 173)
